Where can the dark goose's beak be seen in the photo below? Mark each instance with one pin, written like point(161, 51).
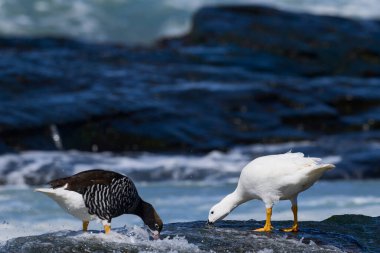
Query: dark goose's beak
point(155, 235)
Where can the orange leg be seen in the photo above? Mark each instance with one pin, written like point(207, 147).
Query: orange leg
point(294, 228)
point(268, 226)
point(107, 229)
point(85, 225)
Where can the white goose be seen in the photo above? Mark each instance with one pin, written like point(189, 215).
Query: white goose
point(272, 178)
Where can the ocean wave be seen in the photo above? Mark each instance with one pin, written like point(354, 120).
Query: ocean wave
point(11, 229)
point(185, 237)
point(342, 201)
point(138, 236)
point(22, 209)
point(118, 20)
point(39, 167)
point(133, 238)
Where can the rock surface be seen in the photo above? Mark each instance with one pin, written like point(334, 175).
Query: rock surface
point(326, 236)
point(242, 75)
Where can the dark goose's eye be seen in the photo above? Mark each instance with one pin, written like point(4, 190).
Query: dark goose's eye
point(156, 225)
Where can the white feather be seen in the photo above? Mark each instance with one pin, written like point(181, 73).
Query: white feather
point(270, 179)
point(278, 177)
point(71, 201)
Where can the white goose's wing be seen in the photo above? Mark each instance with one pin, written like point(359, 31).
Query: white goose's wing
point(275, 176)
point(276, 167)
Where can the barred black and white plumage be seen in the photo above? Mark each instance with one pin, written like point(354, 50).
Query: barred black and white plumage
point(109, 201)
point(101, 194)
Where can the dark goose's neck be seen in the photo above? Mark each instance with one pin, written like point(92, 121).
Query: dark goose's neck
point(147, 213)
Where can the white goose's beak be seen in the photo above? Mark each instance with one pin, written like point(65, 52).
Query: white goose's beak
point(209, 223)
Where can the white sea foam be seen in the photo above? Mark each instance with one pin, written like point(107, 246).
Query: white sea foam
point(342, 201)
point(136, 236)
point(39, 167)
point(139, 237)
point(265, 251)
point(24, 212)
point(313, 207)
point(12, 229)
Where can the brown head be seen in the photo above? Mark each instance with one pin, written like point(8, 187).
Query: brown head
point(150, 217)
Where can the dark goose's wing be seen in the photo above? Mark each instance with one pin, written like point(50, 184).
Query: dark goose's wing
point(79, 182)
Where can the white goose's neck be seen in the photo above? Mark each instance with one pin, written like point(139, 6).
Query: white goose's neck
point(232, 200)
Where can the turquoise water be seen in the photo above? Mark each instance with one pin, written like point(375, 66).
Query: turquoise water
point(182, 188)
point(24, 212)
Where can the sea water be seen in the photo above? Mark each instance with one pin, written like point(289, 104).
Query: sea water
point(182, 188)
point(24, 212)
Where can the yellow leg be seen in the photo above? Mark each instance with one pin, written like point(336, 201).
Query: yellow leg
point(107, 229)
point(268, 226)
point(85, 225)
point(294, 228)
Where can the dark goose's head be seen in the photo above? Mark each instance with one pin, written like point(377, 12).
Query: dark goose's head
point(150, 217)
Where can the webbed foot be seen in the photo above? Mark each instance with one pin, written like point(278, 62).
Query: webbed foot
point(264, 229)
point(294, 228)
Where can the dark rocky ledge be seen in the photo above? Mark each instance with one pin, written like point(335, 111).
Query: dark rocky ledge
point(242, 75)
point(343, 233)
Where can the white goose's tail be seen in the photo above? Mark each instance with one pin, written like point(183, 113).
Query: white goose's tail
point(303, 162)
point(318, 165)
point(327, 166)
point(319, 168)
point(310, 165)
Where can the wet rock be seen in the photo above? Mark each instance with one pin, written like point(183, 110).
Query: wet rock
point(242, 75)
point(278, 42)
point(343, 233)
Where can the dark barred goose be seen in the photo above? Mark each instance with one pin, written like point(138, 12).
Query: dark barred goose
point(102, 194)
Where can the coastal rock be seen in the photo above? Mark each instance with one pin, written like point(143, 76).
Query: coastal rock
point(271, 41)
point(326, 236)
point(243, 75)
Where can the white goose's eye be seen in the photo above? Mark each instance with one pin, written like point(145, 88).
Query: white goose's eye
point(212, 212)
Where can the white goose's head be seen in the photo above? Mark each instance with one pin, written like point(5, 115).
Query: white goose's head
point(218, 212)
